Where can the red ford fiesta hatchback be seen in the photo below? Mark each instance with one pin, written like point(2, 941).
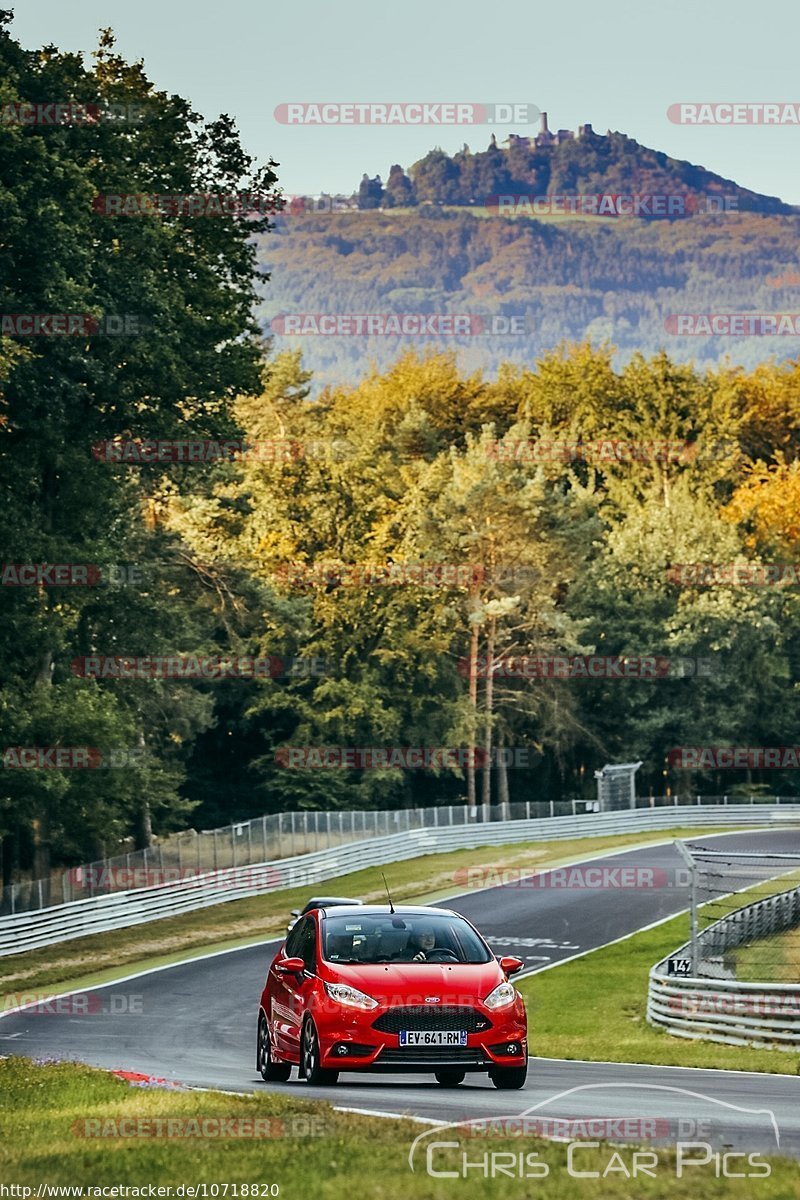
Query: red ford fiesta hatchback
point(369, 988)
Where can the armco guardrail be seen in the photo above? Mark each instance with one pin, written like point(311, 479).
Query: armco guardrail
point(287, 835)
point(730, 1010)
point(80, 918)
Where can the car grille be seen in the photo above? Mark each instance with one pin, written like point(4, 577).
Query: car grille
point(431, 1054)
point(433, 1017)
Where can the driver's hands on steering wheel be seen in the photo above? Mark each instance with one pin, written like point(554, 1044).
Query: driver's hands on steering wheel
point(420, 956)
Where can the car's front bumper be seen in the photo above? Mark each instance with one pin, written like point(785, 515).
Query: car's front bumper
point(352, 1044)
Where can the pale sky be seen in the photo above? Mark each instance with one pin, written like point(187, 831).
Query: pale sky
point(617, 66)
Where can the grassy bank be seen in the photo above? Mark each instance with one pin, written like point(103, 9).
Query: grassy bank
point(61, 1125)
point(775, 959)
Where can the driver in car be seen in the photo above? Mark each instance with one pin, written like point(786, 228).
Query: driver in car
point(419, 946)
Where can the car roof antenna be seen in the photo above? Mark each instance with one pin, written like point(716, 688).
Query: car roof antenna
point(388, 893)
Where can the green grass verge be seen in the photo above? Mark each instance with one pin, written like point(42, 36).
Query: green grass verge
point(44, 1111)
point(594, 1008)
point(772, 960)
point(89, 961)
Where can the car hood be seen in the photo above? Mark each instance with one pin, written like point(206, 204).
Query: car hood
point(416, 983)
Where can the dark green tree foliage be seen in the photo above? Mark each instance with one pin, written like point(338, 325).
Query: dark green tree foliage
point(398, 192)
point(186, 287)
point(410, 476)
point(370, 192)
point(583, 165)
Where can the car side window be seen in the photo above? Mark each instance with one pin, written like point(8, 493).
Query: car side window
point(308, 945)
point(293, 949)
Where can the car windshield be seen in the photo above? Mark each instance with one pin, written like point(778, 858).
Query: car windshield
point(406, 937)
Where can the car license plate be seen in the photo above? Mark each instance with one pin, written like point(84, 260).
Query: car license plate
point(433, 1037)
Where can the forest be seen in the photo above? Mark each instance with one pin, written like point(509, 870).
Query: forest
point(527, 283)
point(219, 567)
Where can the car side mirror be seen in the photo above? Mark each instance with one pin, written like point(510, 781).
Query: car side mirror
point(290, 966)
point(295, 912)
point(509, 965)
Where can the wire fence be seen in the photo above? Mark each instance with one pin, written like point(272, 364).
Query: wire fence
point(286, 835)
point(744, 914)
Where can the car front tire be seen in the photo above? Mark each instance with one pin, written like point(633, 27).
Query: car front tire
point(509, 1078)
point(270, 1071)
point(310, 1064)
point(450, 1078)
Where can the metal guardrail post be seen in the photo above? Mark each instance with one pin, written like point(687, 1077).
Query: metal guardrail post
point(687, 858)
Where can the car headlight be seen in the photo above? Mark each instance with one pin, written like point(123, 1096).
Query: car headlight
point(352, 997)
point(503, 994)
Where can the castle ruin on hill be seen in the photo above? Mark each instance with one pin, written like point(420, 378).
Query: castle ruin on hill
point(545, 138)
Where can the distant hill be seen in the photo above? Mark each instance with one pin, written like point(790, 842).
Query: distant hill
point(573, 278)
point(574, 163)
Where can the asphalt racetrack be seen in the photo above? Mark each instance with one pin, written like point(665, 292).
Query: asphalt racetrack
point(197, 1020)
